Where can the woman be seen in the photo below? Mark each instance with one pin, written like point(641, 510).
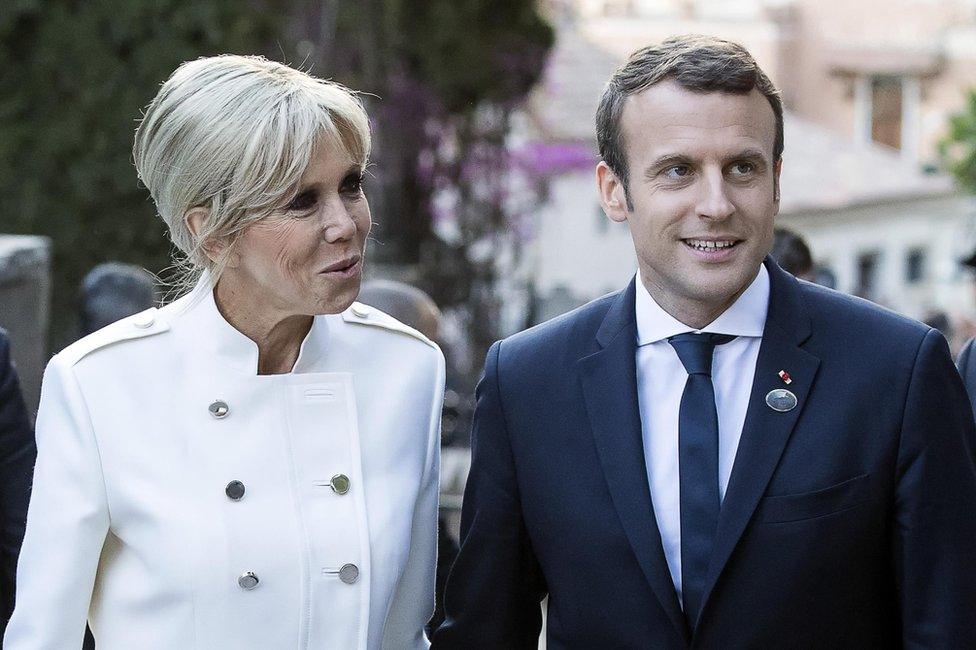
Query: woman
point(255, 464)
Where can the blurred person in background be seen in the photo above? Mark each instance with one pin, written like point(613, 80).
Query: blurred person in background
point(966, 362)
point(254, 465)
point(719, 455)
point(112, 291)
point(792, 254)
point(939, 320)
point(413, 307)
point(17, 453)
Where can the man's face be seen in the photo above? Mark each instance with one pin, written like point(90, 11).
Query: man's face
point(702, 191)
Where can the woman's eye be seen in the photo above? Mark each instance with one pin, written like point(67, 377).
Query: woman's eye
point(352, 184)
point(303, 201)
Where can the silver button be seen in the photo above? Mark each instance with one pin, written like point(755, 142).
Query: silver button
point(339, 484)
point(349, 573)
point(219, 409)
point(248, 580)
point(360, 310)
point(144, 320)
point(234, 490)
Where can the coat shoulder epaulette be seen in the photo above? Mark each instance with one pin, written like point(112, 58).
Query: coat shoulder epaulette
point(145, 323)
point(361, 314)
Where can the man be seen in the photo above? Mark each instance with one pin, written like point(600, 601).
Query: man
point(791, 253)
point(718, 456)
point(17, 454)
point(111, 291)
point(967, 356)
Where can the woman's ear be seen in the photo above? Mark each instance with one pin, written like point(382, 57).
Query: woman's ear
point(194, 219)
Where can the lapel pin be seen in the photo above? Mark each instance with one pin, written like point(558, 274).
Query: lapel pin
point(781, 400)
point(785, 376)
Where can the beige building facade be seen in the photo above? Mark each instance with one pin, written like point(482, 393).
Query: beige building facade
point(868, 85)
point(887, 71)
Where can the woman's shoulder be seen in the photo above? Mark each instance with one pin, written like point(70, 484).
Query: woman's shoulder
point(378, 323)
point(143, 325)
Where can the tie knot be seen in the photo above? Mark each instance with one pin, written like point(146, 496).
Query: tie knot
point(695, 350)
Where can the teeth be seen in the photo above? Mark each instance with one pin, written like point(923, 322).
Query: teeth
point(704, 245)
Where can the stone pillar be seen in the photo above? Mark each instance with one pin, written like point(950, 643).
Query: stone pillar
point(25, 288)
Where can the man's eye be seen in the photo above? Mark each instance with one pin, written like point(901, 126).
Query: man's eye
point(303, 201)
point(677, 171)
point(743, 169)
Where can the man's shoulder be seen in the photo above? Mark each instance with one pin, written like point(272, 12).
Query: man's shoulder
point(854, 322)
point(568, 333)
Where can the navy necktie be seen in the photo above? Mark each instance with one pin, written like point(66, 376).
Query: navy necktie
point(697, 464)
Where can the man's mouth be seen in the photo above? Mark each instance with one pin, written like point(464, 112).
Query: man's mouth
point(711, 245)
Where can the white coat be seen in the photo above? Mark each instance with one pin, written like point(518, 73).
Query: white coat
point(132, 524)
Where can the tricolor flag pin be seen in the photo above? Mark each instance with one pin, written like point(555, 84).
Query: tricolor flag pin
point(785, 376)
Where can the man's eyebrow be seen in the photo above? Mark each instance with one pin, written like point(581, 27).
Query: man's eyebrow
point(749, 154)
point(666, 161)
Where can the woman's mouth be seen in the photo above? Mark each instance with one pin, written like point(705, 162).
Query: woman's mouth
point(346, 268)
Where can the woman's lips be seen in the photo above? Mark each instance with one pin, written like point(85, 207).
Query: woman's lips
point(344, 269)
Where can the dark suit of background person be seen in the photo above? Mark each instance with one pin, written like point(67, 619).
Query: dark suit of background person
point(849, 518)
point(17, 454)
point(967, 368)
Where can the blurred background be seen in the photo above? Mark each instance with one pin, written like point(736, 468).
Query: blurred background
point(482, 180)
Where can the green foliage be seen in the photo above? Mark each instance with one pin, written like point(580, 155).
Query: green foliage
point(443, 78)
point(76, 76)
point(958, 148)
point(473, 51)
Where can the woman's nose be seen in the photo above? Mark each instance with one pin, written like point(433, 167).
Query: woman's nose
point(338, 223)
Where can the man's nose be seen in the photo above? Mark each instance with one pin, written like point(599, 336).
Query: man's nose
point(714, 202)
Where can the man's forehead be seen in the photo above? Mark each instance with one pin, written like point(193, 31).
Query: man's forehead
point(668, 115)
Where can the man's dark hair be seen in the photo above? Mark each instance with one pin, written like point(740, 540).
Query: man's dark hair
point(698, 63)
point(791, 252)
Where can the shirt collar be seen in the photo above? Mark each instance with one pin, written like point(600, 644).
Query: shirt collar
point(212, 330)
point(745, 317)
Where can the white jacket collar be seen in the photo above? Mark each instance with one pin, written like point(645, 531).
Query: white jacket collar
point(204, 322)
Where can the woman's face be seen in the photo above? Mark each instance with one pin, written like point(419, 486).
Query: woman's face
point(307, 258)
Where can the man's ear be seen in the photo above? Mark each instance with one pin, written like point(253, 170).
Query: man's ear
point(777, 168)
point(194, 220)
point(613, 195)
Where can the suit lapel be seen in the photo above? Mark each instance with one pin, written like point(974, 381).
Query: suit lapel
point(765, 431)
point(609, 381)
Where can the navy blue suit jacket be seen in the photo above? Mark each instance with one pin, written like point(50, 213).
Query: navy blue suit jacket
point(17, 454)
point(849, 521)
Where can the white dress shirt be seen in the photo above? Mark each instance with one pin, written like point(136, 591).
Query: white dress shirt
point(661, 381)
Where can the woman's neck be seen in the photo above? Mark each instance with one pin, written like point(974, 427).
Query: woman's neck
point(278, 336)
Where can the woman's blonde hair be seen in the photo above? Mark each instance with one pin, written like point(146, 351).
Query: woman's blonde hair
point(234, 134)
